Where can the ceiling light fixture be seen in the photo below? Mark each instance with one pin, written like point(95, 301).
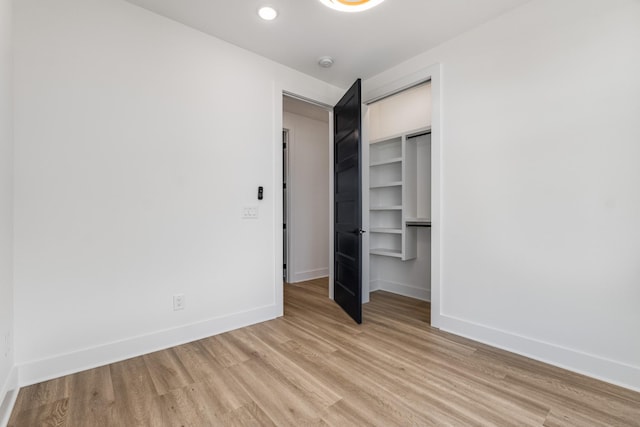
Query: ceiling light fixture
point(267, 13)
point(351, 5)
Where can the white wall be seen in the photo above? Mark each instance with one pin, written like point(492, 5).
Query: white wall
point(540, 183)
point(138, 142)
point(7, 379)
point(308, 197)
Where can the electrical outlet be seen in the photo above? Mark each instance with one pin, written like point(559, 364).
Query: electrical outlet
point(178, 302)
point(250, 212)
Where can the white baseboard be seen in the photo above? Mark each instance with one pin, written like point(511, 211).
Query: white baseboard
point(303, 276)
point(45, 369)
point(610, 371)
point(401, 289)
point(8, 395)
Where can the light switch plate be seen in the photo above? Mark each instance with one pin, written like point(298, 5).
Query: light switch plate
point(250, 212)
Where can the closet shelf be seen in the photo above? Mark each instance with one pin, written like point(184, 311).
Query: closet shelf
point(387, 185)
point(419, 222)
point(387, 230)
point(386, 208)
point(386, 162)
point(387, 140)
point(386, 252)
point(396, 137)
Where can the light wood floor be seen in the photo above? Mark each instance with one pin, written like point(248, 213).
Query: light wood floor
point(316, 367)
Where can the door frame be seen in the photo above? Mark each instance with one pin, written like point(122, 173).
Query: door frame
point(394, 82)
point(323, 99)
point(286, 208)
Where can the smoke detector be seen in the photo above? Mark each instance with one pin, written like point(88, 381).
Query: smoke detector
point(325, 61)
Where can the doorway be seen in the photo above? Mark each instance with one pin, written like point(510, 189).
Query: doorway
point(306, 185)
point(400, 193)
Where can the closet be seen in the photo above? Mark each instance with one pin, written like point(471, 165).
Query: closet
point(399, 138)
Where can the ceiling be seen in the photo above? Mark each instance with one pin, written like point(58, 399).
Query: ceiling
point(362, 44)
point(302, 108)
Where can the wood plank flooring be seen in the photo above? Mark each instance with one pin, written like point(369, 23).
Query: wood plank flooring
point(315, 367)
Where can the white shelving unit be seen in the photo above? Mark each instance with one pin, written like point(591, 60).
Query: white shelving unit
point(395, 202)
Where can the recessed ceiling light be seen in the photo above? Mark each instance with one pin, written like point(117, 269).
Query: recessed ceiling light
point(351, 5)
point(325, 61)
point(267, 13)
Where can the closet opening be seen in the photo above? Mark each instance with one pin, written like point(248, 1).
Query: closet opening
point(306, 193)
point(399, 190)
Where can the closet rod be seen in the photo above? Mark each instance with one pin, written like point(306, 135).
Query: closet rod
point(397, 91)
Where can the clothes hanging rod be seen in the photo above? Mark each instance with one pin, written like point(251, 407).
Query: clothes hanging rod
point(397, 91)
point(413, 222)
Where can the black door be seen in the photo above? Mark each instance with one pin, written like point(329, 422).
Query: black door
point(348, 203)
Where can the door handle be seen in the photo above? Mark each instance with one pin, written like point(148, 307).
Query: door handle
point(359, 231)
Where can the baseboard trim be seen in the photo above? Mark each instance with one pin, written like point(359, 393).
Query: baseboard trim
point(401, 289)
point(303, 276)
point(600, 368)
point(54, 367)
point(374, 285)
point(8, 396)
